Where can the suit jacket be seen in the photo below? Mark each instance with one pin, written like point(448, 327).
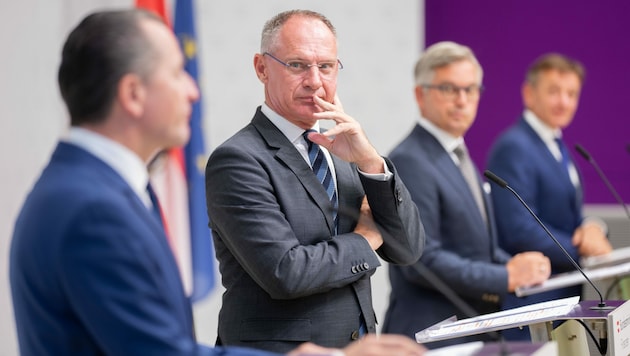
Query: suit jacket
point(522, 159)
point(461, 250)
point(287, 278)
point(91, 270)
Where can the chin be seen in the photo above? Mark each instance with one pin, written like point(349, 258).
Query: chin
point(180, 140)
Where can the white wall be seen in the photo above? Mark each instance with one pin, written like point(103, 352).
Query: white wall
point(378, 44)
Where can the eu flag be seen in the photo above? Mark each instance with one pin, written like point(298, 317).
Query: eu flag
point(201, 242)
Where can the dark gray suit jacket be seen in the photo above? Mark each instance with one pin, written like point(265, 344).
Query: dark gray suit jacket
point(287, 278)
point(461, 250)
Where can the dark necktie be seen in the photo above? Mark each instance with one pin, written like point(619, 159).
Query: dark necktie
point(319, 164)
point(155, 205)
point(564, 152)
point(470, 175)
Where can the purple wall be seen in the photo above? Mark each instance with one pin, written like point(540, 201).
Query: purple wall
point(507, 36)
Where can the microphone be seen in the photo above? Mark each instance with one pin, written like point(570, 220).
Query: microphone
point(590, 160)
point(503, 184)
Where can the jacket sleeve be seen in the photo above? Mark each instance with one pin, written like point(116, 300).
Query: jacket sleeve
point(397, 218)
point(265, 223)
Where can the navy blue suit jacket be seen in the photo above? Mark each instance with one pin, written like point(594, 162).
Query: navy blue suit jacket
point(522, 159)
point(460, 248)
point(91, 271)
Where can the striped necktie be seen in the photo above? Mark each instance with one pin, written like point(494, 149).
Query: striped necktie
point(319, 165)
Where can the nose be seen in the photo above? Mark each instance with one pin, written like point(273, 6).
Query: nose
point(461, 96)
point(566, 99)
point(193, 89)
point(313, 78)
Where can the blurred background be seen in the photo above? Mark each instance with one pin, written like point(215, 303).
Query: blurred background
point(379, 42)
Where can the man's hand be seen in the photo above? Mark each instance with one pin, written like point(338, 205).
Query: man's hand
point(527, 269)
point(346, 139)
point(369, 345)
point(367, 228)
point(590, 240)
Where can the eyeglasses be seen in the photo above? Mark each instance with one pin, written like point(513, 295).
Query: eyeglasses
point(300, 68)
point(450, 91)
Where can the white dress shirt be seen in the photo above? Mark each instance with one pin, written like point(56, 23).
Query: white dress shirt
point(122, 160)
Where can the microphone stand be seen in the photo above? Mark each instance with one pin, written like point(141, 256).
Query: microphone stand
point(503, 184)
point(601, 174)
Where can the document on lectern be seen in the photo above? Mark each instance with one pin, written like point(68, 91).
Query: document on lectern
point(534, 313)
point(566, 279)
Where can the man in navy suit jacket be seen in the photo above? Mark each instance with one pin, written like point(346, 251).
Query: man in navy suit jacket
point(532, 158)
point(91, 270)
point(461, 248)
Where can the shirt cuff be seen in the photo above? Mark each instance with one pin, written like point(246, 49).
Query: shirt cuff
point(383, 177)
point(596, 220)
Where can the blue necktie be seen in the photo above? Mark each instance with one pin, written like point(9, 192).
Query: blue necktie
point(319, 164)
point(565, 154)
point(155, 206)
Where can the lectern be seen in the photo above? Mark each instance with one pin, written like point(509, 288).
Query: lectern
point(604, 268)
point(613, 325)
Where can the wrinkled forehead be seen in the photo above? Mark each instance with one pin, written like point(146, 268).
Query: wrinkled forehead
point(304, 34)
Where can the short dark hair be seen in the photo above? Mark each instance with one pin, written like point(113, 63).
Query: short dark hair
point(554, 61)
point(105, 46)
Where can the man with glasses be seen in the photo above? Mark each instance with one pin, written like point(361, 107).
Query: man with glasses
point(299, 218)
point(462, 270)
point(533, 158)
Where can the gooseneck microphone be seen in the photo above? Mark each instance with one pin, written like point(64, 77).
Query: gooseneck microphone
point(601, 174)
point(503, 184)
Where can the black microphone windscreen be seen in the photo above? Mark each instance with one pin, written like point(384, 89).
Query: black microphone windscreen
point(583, 152)
point(493, 177)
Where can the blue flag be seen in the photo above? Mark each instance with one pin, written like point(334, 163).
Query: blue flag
point(202, 251)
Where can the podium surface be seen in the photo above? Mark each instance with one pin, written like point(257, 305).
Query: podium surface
point(522, 316)
point(597, 268)
point(616, 322)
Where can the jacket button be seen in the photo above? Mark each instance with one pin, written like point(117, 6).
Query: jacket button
point(355, 335)
point(366, 266)
point(354, 269)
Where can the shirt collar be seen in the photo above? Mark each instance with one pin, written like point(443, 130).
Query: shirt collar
point(545, 132)
point(288, 129)
point(121, 159)
point(448, 141)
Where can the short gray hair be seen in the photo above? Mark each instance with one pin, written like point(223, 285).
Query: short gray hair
point(442, 54)
point(274, 25)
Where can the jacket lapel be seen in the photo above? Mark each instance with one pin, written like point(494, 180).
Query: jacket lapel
point(449, 170)
point(546, 158)
point(289, 155)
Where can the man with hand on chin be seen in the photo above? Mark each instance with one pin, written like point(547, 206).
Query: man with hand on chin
point(299, 218)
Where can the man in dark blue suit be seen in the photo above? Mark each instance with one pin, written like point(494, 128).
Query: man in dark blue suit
point(461, 249)
point(532, 158)
point(91, 270)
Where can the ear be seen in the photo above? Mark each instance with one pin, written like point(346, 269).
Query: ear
point(132, 94)
point(527, 93)
point(419, 91)
point(260, 67)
